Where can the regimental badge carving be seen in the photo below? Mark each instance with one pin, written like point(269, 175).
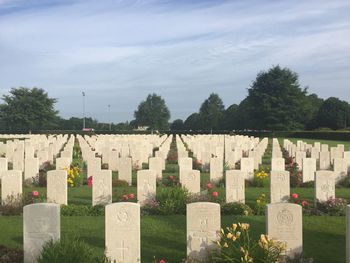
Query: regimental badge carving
point(285, 217)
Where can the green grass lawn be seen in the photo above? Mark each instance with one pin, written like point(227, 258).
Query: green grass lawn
point(165, 236)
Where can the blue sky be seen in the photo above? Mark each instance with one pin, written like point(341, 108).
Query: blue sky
point(120, 51)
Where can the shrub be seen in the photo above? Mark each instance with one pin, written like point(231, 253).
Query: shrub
point(260, 205)
point(150, 207)
point(333, 206)
point(74, 176)
point(41, 180)
point(13, 205)
point(236, 209)
point(10, 255)
point(82, 210)
point(69, 250)
point(236, 245)
point(261, 178)
point(119, 183)
point(172, 200)
point(193, 198)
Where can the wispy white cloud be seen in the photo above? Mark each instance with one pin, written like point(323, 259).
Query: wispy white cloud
point(119, 51)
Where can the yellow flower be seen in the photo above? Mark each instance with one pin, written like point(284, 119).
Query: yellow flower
point(234, 226)
point(258, 201)
point(229, 235)
point(245, 226)
point(238, 234)
point(225, 245)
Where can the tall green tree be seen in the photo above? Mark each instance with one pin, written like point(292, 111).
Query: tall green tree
point(334, 113)
point(153, 112)
point(229, 120)
point(27, 109)
point(193, 122)
point(177, 125)
point(276, 100)
point(211, 112)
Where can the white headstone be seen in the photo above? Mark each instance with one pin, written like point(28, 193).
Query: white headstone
point(125, 169)
point(11, 186)
point(146, 185)
point(41, 223)
point(191, 180)
point(216, 169)
point(235, 188)
point(122, 232)
point(279, 186)
point(277, 164)
point(309, 169)
point(203, 229)
point(102, 187)
point(57, 187)
point(324, 185)
point(284, 223)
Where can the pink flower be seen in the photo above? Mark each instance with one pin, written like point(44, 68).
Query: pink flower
point(171, 178)
point(215, 194)
point(35, 193)
point(89, 181)
point(125, 197)
point(304, 203)
point(131, 196)
point(209, 186)
point(162, 261)
point(294, 196)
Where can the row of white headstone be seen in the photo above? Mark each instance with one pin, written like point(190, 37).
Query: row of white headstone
point(41, 223)
point(321, 158)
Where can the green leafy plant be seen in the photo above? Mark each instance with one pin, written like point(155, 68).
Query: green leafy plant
point(119, 183)
point(82, 210)
point(260, 205)
point(172, 200)
point(236, 209)
point(69, 250)
point(236, 245)
point(333, 206)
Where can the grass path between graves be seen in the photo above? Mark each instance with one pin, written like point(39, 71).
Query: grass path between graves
point(165, 236)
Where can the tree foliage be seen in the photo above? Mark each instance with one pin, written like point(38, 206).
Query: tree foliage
point(211, 112)
point(276, 100)
point(177, 125)
point(153, 112)
point(28, 110)
point(334, 113)
point(193, 122)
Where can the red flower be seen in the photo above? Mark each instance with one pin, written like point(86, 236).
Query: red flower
point(35, 193)
point(125, 197)
point(89, 181)
point(215, 194)
point(304, 203)
point(171, 178)
point(209, 186)
point(162, 261)
point(299, 174)
point(131, 196)
point(294, 196)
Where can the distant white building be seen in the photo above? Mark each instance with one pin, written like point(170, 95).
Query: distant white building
point(142, 128)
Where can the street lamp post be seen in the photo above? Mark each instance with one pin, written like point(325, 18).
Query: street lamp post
point(109, 116)
point(83, 110)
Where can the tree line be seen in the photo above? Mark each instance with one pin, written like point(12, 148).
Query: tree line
point(275, 101)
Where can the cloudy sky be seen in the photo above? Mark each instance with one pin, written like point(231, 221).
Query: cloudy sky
point(120, 51)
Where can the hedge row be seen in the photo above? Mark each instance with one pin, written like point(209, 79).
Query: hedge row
point(318, 135)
